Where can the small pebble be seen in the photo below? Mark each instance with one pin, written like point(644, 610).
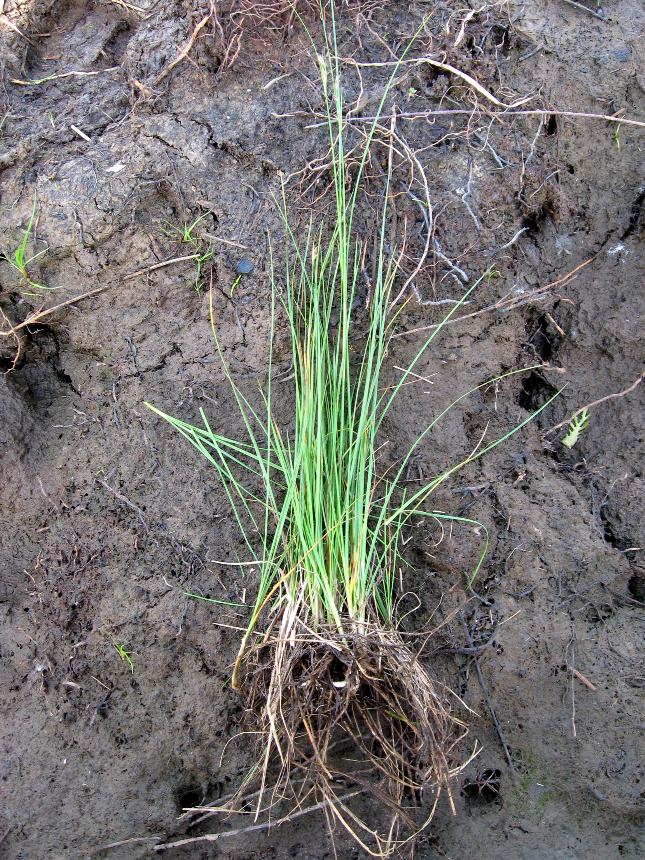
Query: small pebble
point(622, 54)
point(244, 267)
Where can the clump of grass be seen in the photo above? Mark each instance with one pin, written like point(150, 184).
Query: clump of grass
point(322, 662)
point(19, 258)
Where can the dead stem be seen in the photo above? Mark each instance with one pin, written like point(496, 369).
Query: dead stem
point(265, 825)
point(161, 265)
point(74, 74)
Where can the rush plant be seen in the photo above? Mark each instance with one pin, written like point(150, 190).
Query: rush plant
point(322, 661)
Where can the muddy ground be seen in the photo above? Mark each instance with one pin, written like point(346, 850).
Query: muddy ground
point(108, 517)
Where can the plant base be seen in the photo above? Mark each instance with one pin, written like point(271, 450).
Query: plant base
point(347, 716)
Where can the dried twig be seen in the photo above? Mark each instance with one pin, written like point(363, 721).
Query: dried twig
point(508, 302)
point(544, 112)
point(265, 825)
point(587, 10)
point(582, 678)
point(134, 840)
point(38, 315)
point(446, 67)
point(35, 82)
point(161, 265)
point(226, 241)
point(7, 20)
point(573, 690)
point(600, 400)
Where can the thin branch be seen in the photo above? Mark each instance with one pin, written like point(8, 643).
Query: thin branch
point(507, 303)
point(38, 315)
point(500, 115)
point(587, 10)
point(445, 67)
point(35, 82)
point(161, 265)
point(600, 400)
point(133, 841)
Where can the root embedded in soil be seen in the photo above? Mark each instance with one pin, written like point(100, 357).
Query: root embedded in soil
point(354, 709)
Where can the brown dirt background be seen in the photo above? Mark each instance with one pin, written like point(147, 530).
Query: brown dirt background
point(107, 517)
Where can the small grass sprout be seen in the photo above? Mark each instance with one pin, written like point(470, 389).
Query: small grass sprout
point(187, 235)
point(204, 257)
point(577, 424)
point(126, 656)
point(19, 258)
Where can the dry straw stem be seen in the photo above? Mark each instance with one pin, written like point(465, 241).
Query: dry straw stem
point(589, 11)
point(162, 265)
point(4, 16)
point(253, 828)
point(500, 115)
point(466, 78)
point(35, 82)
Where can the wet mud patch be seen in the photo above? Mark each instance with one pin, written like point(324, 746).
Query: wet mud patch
point(108, 520)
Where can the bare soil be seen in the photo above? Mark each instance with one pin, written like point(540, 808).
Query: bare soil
point(109, 518)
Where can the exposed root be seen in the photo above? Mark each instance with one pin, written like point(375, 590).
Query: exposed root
point(312, 696)
point(235, 20)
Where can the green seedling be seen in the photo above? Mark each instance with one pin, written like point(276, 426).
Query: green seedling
point(19, 258)
point(199, 264)
point(577, 424)
point(244, 267)
point(186, 235)
point(126, 656)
